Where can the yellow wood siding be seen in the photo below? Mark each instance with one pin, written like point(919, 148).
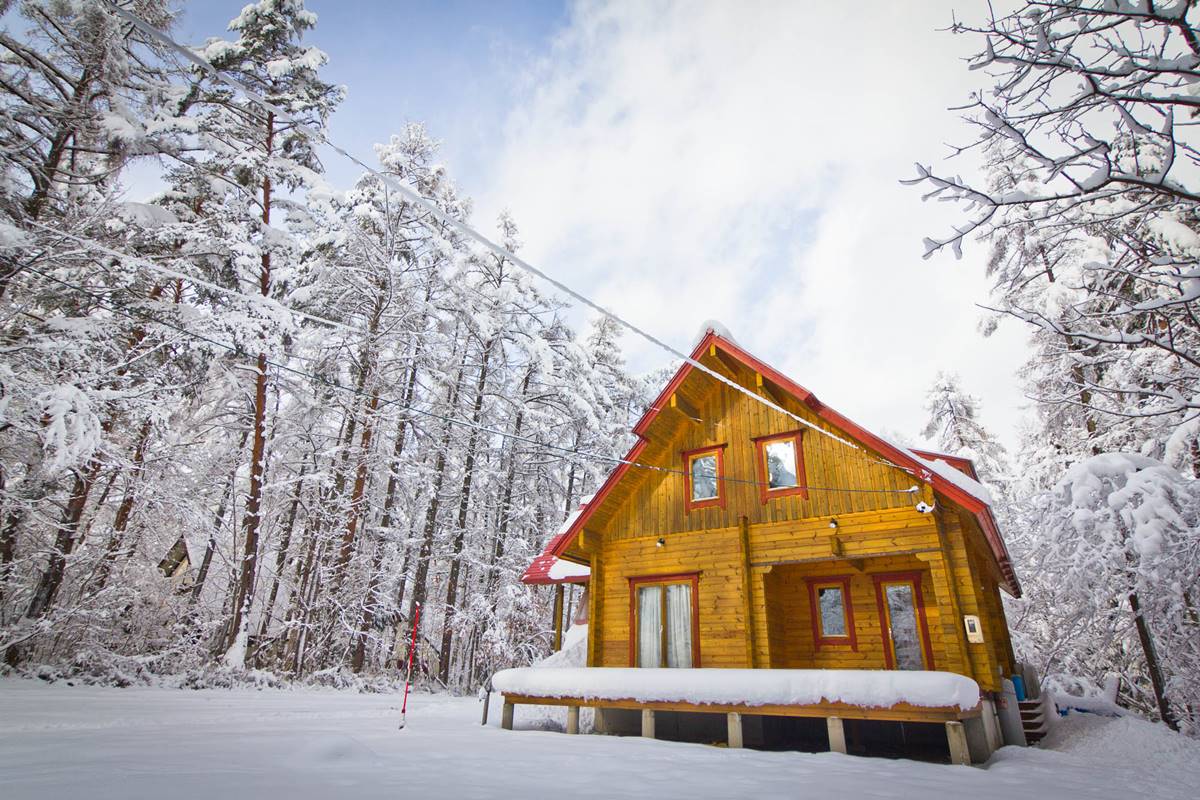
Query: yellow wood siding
point(656, 503)
point(752, 558)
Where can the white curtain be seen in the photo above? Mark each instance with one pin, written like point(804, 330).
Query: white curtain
point(649, 626)
point(679, 625)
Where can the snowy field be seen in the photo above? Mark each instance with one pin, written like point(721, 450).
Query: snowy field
point(58, 741)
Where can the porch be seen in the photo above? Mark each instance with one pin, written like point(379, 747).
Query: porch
point(749, 702)
point(877, 613)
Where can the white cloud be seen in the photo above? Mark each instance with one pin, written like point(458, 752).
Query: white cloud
point(688, 161)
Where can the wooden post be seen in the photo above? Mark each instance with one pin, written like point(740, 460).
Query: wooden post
point(595, 590)
point(734, 723)
point(506, 716)
point(837, 735)
point(648, 723)
point(957, 736)
point(572, 719)
point(599, 722)
point(487, 699)
point(1152, 665)
point(747, 588)
point(558, 615)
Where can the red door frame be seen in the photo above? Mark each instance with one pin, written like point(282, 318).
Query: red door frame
point(914, 580)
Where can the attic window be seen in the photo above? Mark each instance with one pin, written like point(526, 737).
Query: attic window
point(704, 477)
point(781, 465)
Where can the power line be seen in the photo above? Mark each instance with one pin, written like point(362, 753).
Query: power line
point(140, 316)
point(463, 228)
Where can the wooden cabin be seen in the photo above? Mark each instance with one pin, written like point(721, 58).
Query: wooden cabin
point(759, 540)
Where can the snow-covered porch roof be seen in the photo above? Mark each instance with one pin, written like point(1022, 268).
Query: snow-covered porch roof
point(548, 568)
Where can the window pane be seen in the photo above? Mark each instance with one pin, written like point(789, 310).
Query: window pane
point(679, 625)
point(704, 477)
point(833, 611)
point(781, 464)
point(649, 626)
point(902, 612)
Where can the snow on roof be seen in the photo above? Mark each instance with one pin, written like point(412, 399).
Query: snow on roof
point(565, 570)
point(957, 477)
point(713, 326)
point(548, 568)
point(751, 687)
point(944, 469)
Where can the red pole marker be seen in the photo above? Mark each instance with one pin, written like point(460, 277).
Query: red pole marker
point(412, 648)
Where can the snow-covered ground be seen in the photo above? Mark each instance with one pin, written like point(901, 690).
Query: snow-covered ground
point(59, 741)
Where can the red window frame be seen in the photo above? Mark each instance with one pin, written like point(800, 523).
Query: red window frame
point(663, 580)
point(766, 493)
point(688, 457)
point(914, 579)
point(820, 640)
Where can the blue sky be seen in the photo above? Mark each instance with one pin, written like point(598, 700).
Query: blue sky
point(455, 65)
point(682, 160)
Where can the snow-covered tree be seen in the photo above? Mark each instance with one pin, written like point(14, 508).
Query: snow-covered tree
point(253, 421)
point(1090, 202)
point(955, 428)
point(1118, 560)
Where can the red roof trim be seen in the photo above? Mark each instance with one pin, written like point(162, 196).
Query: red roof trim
point(900, 458)
point(963, 465)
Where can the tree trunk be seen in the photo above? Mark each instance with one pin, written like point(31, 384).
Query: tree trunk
point(367, 617)
point(1152, 664)
point(464, 503)
point(124, 511)
point(356, 493)
point(8, 542)
point(244, 596)
point(304, 570)
point(366, 620)
point(421, 576)
point(281, 555)
point(354, 510)
point(51, 579)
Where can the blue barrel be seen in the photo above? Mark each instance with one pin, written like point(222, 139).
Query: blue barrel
point(1019, 685)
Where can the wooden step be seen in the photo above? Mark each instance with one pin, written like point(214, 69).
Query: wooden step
point(1033, 719)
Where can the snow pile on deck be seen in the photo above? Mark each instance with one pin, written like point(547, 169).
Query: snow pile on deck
point(751, 687)
point(573, 652)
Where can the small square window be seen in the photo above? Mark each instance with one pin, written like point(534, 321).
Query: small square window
point(780, 466)
point(832, 609)
point(704, 477)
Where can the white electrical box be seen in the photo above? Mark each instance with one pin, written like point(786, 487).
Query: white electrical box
point(974, 629)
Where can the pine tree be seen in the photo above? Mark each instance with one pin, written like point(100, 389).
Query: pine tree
point(261, 154)
point(955, 428)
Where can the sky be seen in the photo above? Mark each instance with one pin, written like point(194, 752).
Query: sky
point(687, 161)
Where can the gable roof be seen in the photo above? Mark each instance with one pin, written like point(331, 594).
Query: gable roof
point(943, 472)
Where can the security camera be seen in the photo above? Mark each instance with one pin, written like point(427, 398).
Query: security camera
point(924, 508)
